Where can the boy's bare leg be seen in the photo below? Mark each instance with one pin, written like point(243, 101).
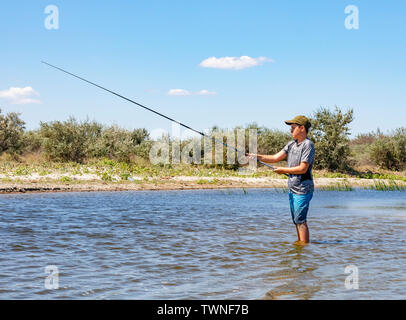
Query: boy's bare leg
point(303, 232)
point(297, 231)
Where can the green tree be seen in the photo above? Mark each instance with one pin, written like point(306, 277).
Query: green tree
point(330, 134)
point(272, 141)
point(69, 140)
point(383, 154)
point(400, 142)
point(139, 135)
point(119, 144)
point(11, 133)
point(389, 152)
point(32, 141)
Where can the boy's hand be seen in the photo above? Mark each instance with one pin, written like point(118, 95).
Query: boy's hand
point(279, 170)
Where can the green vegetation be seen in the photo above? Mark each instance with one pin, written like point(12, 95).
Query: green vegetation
point(330, 134)
point(115, 154)
point(389, 151)
point(208, 181)
point(11, 133)
point(66, 179)
point(340, 186)
point(78, 141)
point(391, 185)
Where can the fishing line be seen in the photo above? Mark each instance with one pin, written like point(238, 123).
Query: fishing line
point(156, 112)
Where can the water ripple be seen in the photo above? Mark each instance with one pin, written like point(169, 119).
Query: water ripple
point(207, 244)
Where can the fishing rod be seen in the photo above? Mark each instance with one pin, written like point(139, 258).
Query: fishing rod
point(156, 112)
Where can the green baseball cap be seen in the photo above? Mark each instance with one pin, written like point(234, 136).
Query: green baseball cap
point(300, 120)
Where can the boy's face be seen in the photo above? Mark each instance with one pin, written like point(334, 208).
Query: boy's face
point(296, 130)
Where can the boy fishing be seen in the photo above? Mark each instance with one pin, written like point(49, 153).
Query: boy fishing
point(299, 152)
point(300, 155)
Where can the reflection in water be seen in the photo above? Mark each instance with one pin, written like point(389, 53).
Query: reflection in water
point(346, 241)
point(295, 278)
point(207, 244)
point(400, 207)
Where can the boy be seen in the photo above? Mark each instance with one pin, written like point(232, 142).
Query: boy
point(300, 154)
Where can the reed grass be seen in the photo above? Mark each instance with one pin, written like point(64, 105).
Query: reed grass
point(390, 185)
point(340, 186)
point(379, 185)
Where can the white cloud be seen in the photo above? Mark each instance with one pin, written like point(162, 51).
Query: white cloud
point(178, 92)
point(236, 63)
point(20, 95)
point(206, 92)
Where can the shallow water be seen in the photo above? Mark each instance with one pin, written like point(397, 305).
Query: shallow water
point(201, 244)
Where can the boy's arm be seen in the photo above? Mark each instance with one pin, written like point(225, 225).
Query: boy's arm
point(300, 169)
point(281, 155)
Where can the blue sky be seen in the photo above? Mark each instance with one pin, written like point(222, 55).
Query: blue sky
point(145, 49)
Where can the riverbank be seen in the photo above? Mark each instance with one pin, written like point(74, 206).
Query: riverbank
point(33, 184)
point(34, 174)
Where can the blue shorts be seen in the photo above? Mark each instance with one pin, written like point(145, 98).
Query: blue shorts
point(299, 206)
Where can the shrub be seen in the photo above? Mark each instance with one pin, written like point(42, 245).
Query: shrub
point(76, 141)
point(382, 152)
point(11, 133)
point(120, 144)
point(272, 141)
point(400, 146)
point(220, 153)
point(364, 138)
point(389, 152)
point(268, 142)
point(69, 140)
point(142, 150)
point(330, 133)
point(138, 136)
point(32, 141)
point(115, 143)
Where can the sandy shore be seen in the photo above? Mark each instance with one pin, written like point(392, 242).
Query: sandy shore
point(89, 183)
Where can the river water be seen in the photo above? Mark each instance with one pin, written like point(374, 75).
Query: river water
point(201, 244)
